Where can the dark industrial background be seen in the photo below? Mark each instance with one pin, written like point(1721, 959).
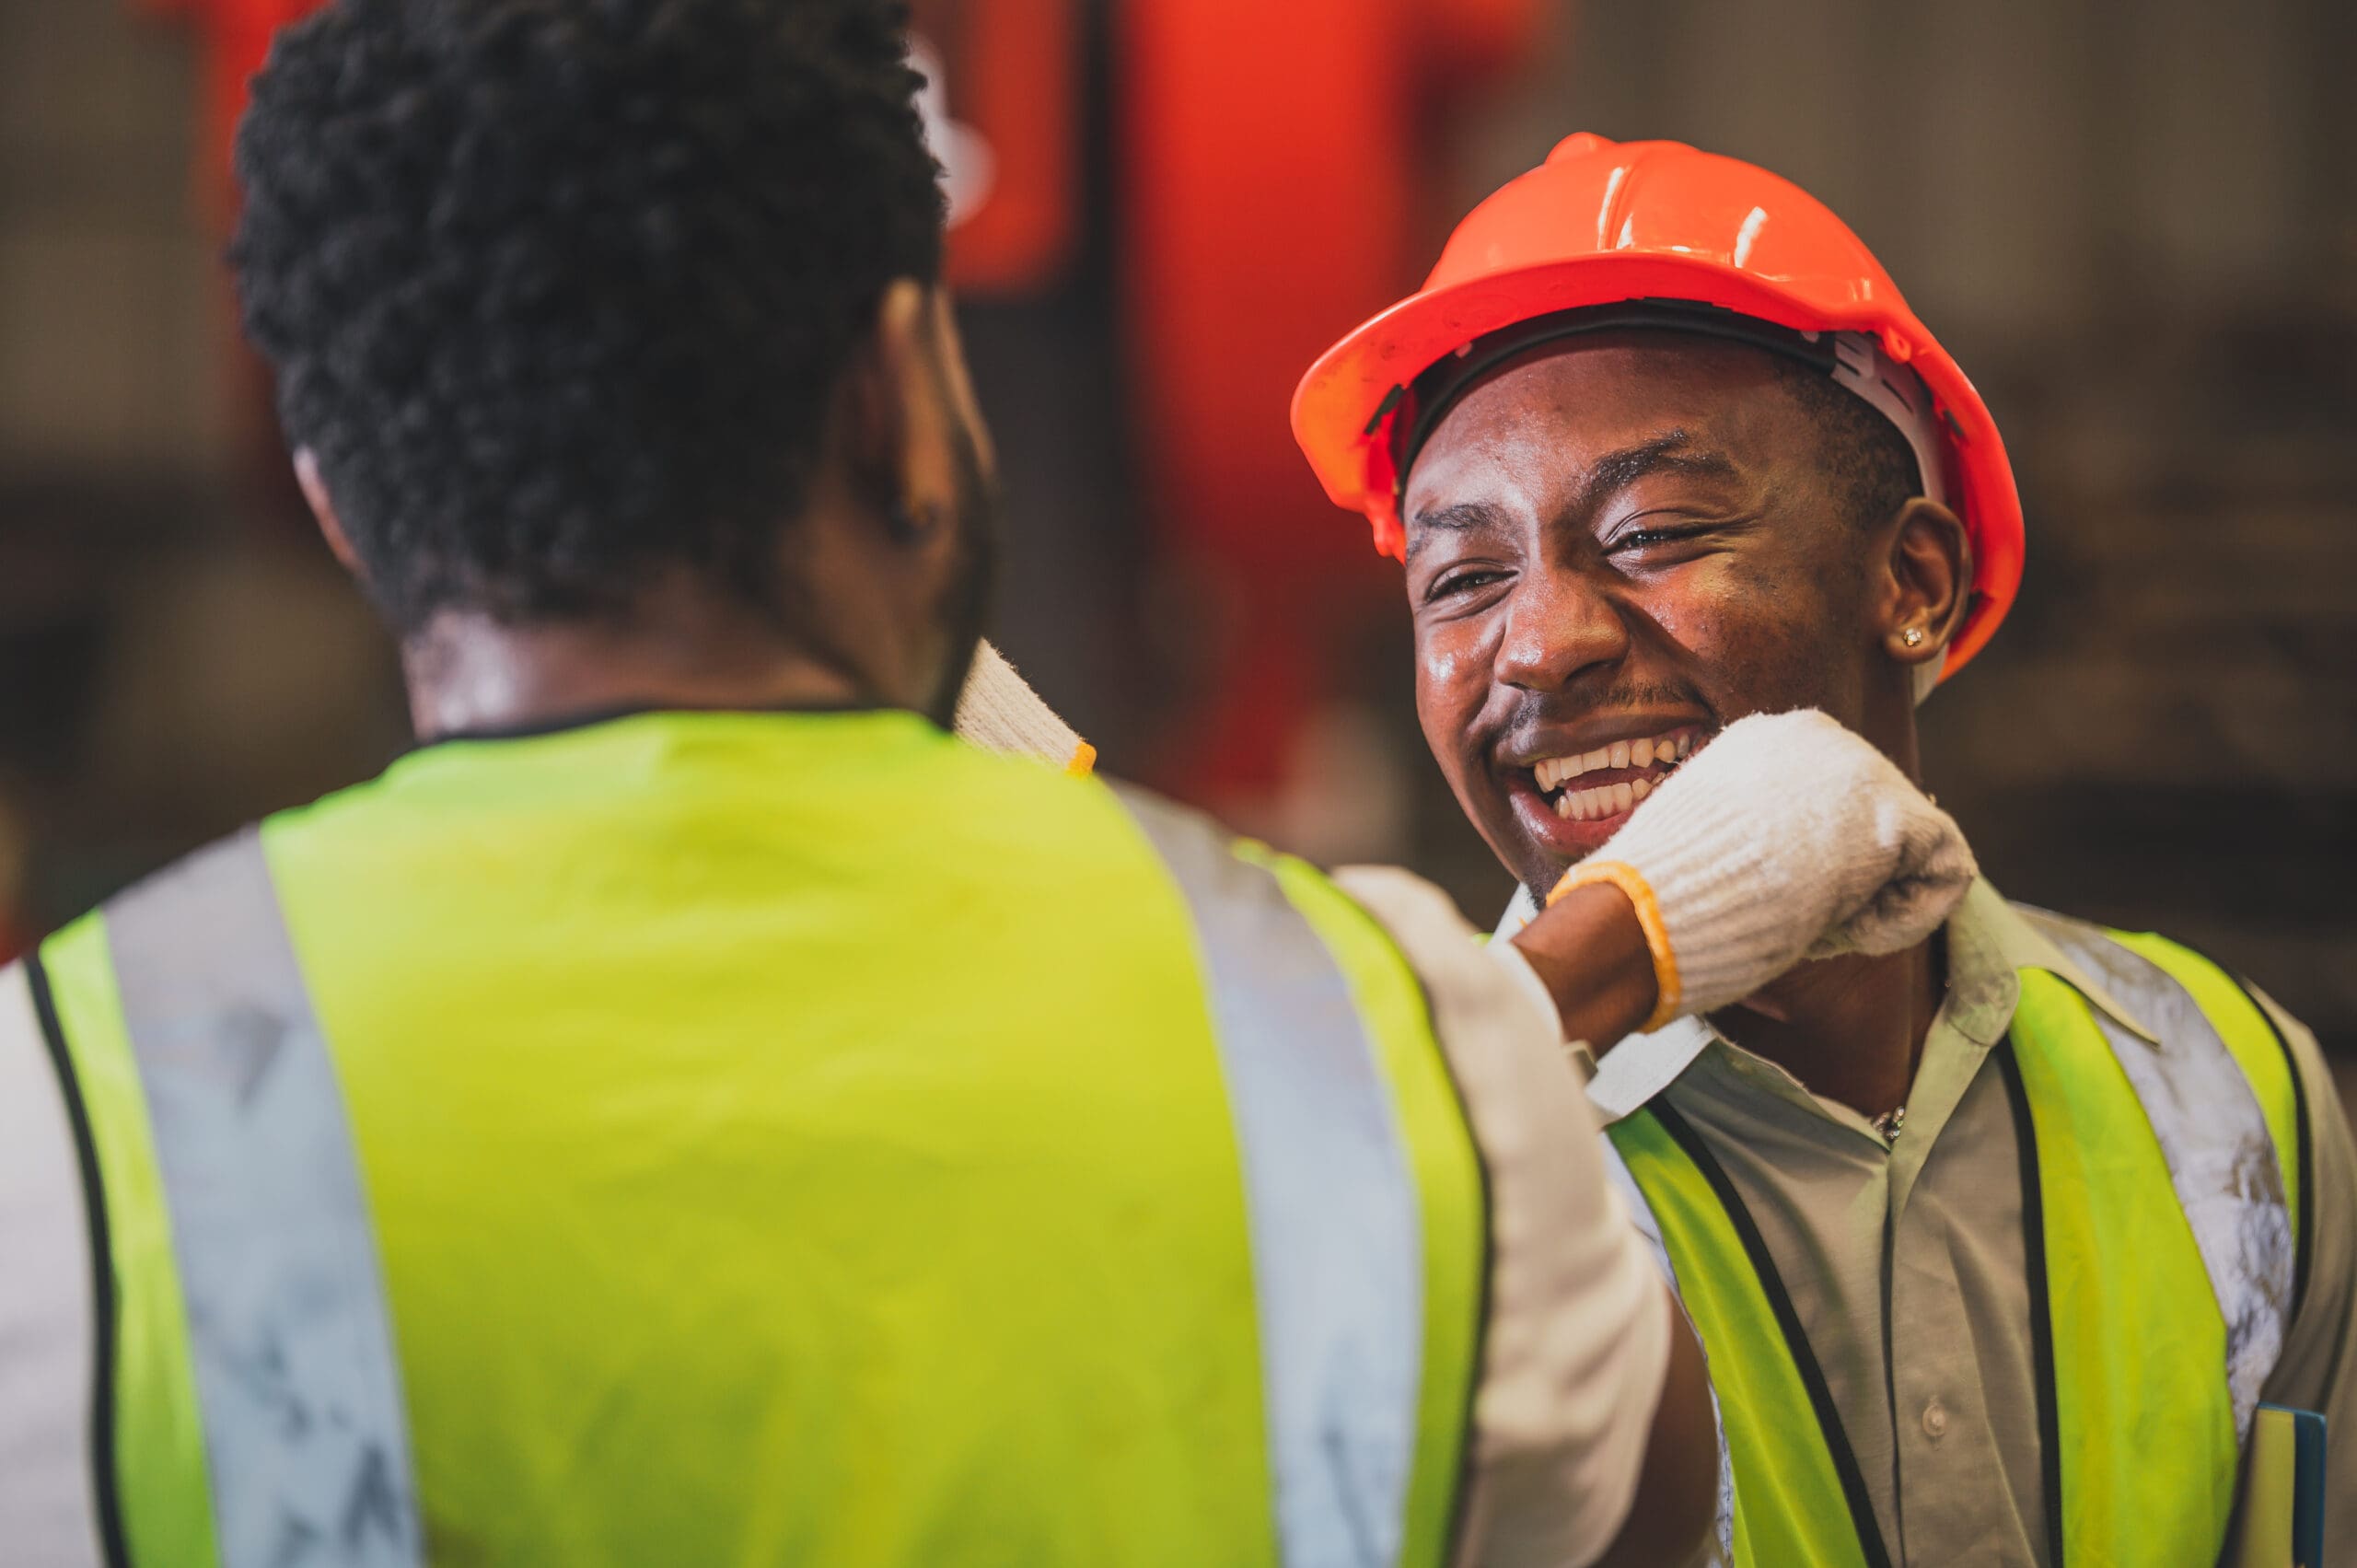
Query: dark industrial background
point(2135, 224)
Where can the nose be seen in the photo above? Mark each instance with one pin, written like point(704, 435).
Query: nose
point(1558, 626)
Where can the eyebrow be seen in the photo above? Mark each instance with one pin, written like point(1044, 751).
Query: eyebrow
point(1665, 453)
point(1670, 452)
point(1462, 517)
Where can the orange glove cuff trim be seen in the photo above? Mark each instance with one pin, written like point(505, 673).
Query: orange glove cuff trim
point(1640, 894)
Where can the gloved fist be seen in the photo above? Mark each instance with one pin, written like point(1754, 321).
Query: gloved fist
point(1786, 838)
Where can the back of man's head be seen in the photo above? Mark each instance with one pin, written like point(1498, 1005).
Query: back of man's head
point(558, 291)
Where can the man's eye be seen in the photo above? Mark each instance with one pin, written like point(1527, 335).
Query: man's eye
point(1460, 581)
point(1646, 538)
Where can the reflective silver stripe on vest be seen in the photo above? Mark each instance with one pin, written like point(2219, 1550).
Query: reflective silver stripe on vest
point(1337, 1234)
point(2213, 1134)
point(305, 1440)
point(1640, 1213)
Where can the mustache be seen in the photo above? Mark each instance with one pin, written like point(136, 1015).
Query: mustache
point(1533, 708)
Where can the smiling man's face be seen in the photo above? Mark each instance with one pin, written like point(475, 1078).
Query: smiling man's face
point(1615, 550)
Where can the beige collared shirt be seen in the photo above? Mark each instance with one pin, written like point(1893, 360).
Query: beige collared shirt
point(1904, 1260)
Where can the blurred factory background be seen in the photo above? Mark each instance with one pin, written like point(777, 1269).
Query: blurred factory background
point(2135, 224)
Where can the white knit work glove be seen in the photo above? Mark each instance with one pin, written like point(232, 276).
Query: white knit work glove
point(997, 710)
point(1786, 838)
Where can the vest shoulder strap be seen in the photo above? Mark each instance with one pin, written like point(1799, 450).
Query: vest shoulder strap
point(2267, 1060)
point(1641, 1214)
point(2214, 1130)
point(1365, 1208)
point(1784, 1498)
point(2191, 982)
point(287, 1333)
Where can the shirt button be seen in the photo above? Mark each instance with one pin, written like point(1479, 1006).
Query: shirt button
point(1935, 1421)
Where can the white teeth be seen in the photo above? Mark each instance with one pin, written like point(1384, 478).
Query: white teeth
point(1586, 804)
point(1605, 800)
point(1553, 770)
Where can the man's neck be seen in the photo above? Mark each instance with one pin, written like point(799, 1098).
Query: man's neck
point(469, 673)
point(1851, 1028)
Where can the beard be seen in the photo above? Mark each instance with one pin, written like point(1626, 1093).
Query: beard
point(966, 598)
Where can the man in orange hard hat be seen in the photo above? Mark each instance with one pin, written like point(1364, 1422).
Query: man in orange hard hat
point(1999, 1246)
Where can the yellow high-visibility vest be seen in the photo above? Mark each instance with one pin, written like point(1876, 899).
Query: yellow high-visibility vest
point(762, 1138)
point(2162, 1196)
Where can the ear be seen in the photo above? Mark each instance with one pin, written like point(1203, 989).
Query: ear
point(909, 400)
point(314, 492)
point(1928, 586)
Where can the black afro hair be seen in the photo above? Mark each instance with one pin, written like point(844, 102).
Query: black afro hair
point(560, 291)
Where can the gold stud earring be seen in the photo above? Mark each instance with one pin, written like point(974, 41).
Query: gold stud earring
point(1912, 636)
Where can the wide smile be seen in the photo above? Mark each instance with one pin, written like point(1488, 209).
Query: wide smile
point(1575, 801)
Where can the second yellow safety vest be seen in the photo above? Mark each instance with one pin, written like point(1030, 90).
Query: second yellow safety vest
point(2161, 1200)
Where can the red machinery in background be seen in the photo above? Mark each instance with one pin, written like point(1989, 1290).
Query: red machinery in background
point(236, 38)
point(1280, 177)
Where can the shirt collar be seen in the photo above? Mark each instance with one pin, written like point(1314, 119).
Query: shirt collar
point(2025, 947)
point(1989, 941)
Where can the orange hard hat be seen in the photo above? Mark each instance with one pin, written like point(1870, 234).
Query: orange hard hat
point(1604, 223)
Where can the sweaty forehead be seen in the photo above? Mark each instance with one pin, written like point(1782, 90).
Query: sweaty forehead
point(1538, 425)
